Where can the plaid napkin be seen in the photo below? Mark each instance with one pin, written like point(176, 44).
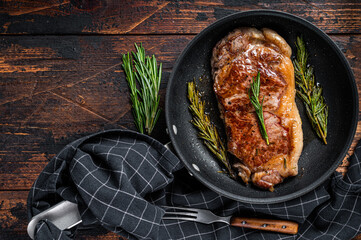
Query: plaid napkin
point(120, 178)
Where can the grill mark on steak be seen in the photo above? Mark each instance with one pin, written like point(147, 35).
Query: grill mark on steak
point(236, 60)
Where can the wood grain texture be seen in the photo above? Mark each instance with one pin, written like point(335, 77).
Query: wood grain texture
point(13, 219)
point(61, 79)
point(66, 99)
point(161, 16)
point(272, 225)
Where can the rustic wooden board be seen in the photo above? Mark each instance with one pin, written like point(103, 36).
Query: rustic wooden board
point(31, 65)
point(13, 216)
point(63, 79)
point(57, 99)
point(55, 89)
point(155, 17)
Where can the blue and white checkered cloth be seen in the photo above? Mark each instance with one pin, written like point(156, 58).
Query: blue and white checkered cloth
point(119, 179)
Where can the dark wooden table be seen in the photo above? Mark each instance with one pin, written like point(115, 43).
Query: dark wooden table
point(61, 76)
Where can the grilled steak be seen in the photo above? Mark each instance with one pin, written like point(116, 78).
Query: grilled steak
point(236, 60)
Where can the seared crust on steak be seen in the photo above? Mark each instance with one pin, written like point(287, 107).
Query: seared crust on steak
point(236, 60)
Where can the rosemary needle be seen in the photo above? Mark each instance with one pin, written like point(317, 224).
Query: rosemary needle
point(254, 97)
point(309, 92)
point(146, 99)
point(130, 76)
point(207, 131)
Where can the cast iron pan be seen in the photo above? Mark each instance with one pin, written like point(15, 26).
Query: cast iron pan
point(318, 161)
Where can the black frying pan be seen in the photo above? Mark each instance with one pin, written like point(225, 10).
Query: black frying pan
point(318, 161)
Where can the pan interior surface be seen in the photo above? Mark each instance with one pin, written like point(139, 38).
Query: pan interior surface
point(318, 161)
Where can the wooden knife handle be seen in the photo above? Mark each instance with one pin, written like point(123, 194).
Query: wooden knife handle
point(280, 226)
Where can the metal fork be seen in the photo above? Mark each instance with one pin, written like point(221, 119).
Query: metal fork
point(207, 217)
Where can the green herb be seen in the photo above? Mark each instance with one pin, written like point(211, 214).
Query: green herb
point(254, 97)
point(207, 131)
point(309, 92)
point(137, 113)
point(146, 100)
point(284, 163)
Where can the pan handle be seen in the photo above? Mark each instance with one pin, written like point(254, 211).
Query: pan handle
point(63, 215)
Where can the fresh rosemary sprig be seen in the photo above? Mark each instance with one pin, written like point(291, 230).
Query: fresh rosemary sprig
point(253, 93)
point(309, 92)
point(146, 100)
point(136, 109)
point(207, 131)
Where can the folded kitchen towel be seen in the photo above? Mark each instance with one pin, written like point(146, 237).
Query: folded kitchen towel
point(120, 178)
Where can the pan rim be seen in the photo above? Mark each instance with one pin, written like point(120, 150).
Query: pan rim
point(351, 132)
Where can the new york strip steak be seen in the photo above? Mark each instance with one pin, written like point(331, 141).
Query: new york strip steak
point(236, 60)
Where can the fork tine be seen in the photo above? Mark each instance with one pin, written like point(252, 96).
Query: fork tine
point(181, 214)
point(181, 208)
point(179, 218)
